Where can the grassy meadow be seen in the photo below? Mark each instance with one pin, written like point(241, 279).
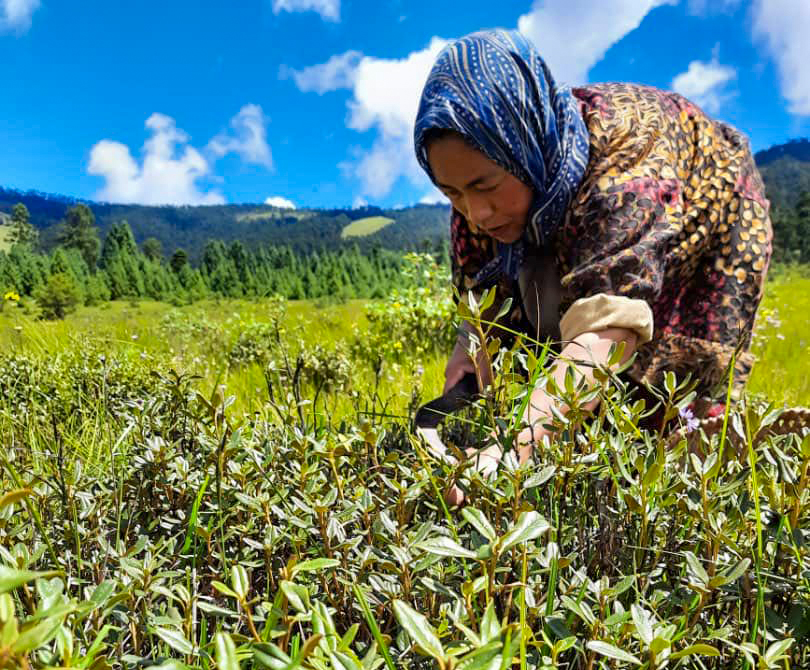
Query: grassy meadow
point(366, 226)
point(5, 237)
point(233, 484)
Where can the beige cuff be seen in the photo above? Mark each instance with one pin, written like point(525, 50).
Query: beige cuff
point(607, 311)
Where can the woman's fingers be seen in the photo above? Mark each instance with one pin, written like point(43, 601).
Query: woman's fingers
point(454, 495)
point(452, 377)
point(486, 462)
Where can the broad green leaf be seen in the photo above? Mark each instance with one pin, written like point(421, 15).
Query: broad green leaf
point(103, 592)
point(643, 622)
point(476, 518)
point(606, 649)
point(696, 568)
point(490, 626)
point(540, 478)
point(97, 646)
point(175, 639)
point(659, 644)
point(776, 651)
point(11, 578)
point(506, 305)
point(296, 595)
point(482, 658)
point(582, 611)
point(306, 650)
point(737, 571)
point(315, 564)
point(530, 525)
point(239, 581)
point(170, 664)
point(696, 650)
point(487, 299)
point(225, 652)
point(36, 636)
point(419, 630)
point(224, 589)
point(444, 546)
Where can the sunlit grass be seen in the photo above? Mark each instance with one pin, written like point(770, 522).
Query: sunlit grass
point(781, 342)
point(782, 371)
point(5, 237)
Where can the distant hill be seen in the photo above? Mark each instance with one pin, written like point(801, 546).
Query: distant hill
point(798, 149)
point(190, 227)
point(786, 171)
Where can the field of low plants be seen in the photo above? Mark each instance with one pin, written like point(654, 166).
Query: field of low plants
point(235, 484)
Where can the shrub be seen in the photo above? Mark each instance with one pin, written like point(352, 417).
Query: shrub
point(58, 296)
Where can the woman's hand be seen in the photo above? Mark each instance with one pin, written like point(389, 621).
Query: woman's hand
point(585, 352)
point(486, 462)
point(461, 364)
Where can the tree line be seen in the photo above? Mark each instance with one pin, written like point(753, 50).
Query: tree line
point(791, 226)
point(83, 269)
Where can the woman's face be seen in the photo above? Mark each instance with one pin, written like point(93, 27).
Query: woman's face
point(491, 199)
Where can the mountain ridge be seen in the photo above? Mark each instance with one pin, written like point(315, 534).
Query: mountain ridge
point(785, 169)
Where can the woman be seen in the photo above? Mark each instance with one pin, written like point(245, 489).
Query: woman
point(609, 213)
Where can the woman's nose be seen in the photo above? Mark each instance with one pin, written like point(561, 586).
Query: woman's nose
point(479, 209)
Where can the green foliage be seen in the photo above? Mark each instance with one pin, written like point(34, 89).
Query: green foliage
point(178, 260)
point(79, 232)
point(414, 320)
point(58, 296)
point(792, 232)
point(193, 533)
point(153, 249)
point(121, 270)
point(22, 230)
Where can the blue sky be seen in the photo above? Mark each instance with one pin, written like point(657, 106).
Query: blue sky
point(312, 101)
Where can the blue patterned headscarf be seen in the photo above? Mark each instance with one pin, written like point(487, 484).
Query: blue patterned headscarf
point(493, 88)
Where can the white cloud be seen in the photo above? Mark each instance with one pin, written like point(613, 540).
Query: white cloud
point(705, 7)
point(705, 84)
point(783, 26)
point(434, 197)
point(16, 14)
point(246, 137)
point(385, 99)
point(338, 72)
point(169, 174)
point(573, 35)
point(172, 169)
point(279, 201)
point(328, 9)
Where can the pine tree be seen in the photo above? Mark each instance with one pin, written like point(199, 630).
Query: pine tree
point(178, 260)
point(79, 232)
point(23, 232)
point(153, 249)
point(58, 296)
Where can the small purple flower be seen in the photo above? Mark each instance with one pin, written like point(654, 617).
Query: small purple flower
point(691, 421)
